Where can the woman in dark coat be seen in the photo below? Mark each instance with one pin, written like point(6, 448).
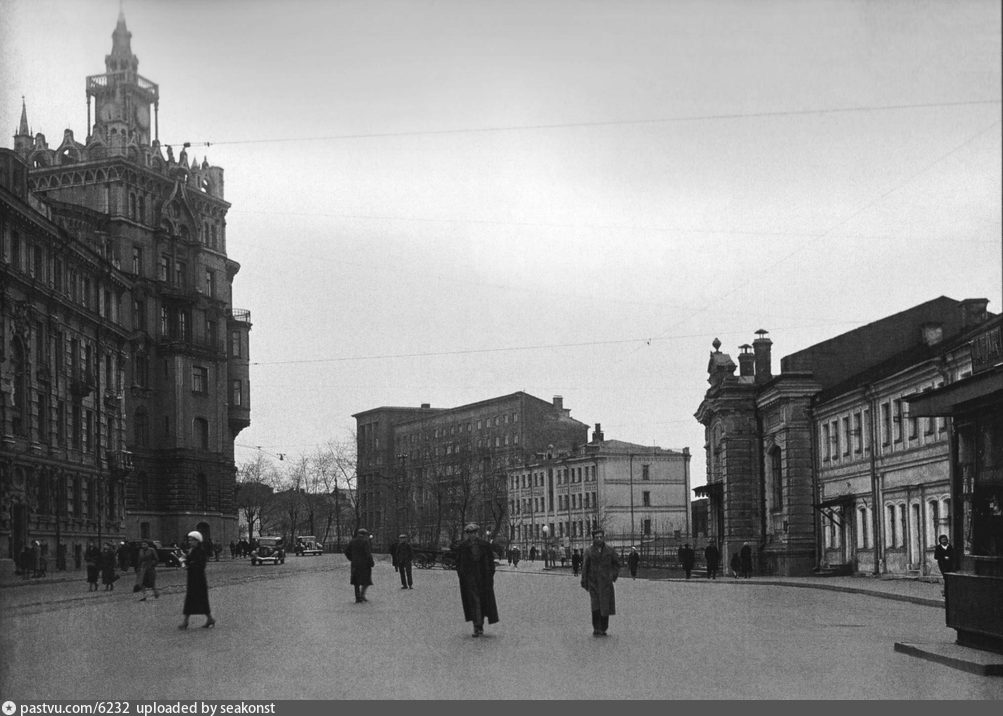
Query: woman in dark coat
point(197, 589)
point(600, 568)
point(108, 560)
point(360, 553)
point(92, 558)
point(475, 566)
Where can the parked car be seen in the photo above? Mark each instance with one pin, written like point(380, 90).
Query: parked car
point(307, 545)
point(269, 550)
point(168, 556)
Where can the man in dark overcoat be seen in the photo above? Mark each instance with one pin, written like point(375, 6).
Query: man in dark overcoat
point(600, 568)
point(745, 559)
point(713, 557)
point(360, 553)
point(633, 560)
point(475, 566)
point(576, 562)
point(687, 557)
point(404, 553)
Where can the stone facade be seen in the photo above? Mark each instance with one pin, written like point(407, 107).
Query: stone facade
point(793, 464)
point(634, 491)
point(426, 471)
point(155, 227)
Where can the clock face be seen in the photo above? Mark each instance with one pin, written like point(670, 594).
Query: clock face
point(108, 112)
point(142, 116)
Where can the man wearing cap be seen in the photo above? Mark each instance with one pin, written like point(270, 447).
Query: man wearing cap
point(360, 553)
point(404, 554)
point(475, 566)
point(600, 568)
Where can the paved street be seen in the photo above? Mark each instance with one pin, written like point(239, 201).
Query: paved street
point(293, 631)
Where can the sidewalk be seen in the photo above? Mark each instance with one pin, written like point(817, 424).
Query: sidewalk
point(924, 591)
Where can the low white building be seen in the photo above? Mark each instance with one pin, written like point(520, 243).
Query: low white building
point(883, 475)
point(626, 488)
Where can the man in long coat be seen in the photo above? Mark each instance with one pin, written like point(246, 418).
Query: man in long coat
point(687, 557)
point(403, 554)
point(600, 568)
point(713, 556)
point(360, 553)
point(475, 566)
point(745, 557)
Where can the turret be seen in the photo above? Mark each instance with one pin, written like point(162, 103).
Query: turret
point(22, 138)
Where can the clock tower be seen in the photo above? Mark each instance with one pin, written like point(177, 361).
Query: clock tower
point(122, 97)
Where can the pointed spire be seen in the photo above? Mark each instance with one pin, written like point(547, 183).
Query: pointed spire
point(22, 130)
point(121, 58)
point(121, 37)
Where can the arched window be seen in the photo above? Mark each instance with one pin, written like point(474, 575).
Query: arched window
point(932, 522)
point(202, 484)
point(863, 541)
point(142, 490)
point(141, 427)
point(777, 478)
point(21, 370)
point(200, 433)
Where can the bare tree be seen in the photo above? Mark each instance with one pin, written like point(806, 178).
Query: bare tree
point(334, 478)
point(255, 492)
point(292, 499)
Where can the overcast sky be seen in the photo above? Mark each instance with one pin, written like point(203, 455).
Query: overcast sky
point(450, 201)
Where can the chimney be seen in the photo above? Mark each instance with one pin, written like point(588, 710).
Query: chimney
point(973, 311)
point(746, 361)
point(426, 406)
point(761, 349)
point(559, 402)
point(597, 436)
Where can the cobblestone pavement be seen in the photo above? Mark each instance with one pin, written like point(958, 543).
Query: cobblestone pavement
point(295, 632)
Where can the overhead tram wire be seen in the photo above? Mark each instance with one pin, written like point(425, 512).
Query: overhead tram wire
point(860, 210)
point(605, 123)
point(469, 351)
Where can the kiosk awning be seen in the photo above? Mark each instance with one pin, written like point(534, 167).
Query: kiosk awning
point(713, 489)
point(834, 508)
point(962, 396)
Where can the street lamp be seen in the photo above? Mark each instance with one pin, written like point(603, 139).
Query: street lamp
point(546, 544)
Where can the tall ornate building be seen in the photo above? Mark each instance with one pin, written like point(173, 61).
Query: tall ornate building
point(124, 364)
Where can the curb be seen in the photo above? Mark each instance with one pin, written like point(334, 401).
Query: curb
point(922, 601)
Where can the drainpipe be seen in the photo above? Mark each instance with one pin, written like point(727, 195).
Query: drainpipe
point(872, 400)
point(761, 483)
point(816, 486)
point(631, 472)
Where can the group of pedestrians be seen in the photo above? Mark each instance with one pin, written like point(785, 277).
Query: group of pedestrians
point(101, 562)
point(475, 569)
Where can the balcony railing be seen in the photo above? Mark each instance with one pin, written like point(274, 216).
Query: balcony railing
point(120, 460)
point(106, 80)
point(82, 383)
point(240, 314)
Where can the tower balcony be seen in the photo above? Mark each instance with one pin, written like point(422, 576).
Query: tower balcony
point(240, 315)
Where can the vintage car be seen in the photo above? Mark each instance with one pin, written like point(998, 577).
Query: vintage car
point(307, 546)
point(168, 556)
point(269, 550)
